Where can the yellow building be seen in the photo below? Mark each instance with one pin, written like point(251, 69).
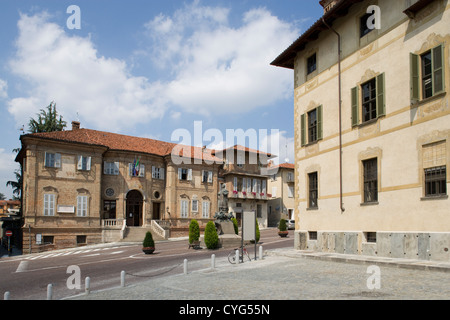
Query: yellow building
point(372, 133)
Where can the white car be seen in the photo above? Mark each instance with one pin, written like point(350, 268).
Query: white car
point(290, 224)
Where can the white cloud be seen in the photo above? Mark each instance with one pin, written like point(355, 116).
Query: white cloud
point(3, 89)
point(219, 69)
point(68, 70)
point(280, 145)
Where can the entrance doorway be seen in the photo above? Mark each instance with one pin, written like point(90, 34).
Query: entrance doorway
point(135, 203)
point(156, 210)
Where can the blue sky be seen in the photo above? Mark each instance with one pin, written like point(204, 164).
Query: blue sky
point(147, 68)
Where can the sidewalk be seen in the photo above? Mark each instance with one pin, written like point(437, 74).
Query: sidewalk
point(294, 275)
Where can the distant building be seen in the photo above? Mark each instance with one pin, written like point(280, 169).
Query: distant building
point(372, 134)
point(281, 186)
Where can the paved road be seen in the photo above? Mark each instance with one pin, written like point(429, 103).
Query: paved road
point(287, 275)
point(26, 277)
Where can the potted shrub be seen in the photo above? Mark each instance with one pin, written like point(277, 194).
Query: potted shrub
point(194, 234)
point(148, 246)
point(283, 232)
point(211, 236)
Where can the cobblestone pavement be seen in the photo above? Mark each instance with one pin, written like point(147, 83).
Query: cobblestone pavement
point(288, 275)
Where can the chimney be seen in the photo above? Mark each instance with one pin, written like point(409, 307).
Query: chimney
point(75, 125)
point(327, 5)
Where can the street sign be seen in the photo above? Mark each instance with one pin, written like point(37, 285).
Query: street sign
point(8, 233)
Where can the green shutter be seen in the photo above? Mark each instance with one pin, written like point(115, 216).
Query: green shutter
point(319, 123)
point(303, 129)
point(437, 59)
point(381, 99)
point(415, 81)
point(355, 106)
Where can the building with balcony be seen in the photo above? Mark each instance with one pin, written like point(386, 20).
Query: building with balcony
point(281, 187)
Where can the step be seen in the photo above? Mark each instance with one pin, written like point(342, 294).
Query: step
point(137, 234)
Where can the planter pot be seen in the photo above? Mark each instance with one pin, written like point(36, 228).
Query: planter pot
point(148, 250)
point(283, 234)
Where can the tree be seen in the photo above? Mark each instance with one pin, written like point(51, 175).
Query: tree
point(47, 121)
point(16, 185)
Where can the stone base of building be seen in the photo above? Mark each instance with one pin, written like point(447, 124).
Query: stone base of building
point(433, 246)
point(48, 239)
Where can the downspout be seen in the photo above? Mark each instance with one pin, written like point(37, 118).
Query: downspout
point(340, 115)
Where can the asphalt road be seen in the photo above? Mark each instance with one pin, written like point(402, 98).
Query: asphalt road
point(27, 277)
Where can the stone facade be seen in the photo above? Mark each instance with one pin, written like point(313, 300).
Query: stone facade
point(372, 172)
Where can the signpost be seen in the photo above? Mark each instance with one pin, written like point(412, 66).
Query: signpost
point(248, 229)
point(9, 235)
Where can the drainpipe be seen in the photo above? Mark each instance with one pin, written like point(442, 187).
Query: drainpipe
point(340, 115)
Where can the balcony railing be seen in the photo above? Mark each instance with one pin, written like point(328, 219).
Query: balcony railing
point(251, 195)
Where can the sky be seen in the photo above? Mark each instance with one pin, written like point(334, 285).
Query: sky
point(151, 68)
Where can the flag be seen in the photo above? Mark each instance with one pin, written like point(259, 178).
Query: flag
point(136, 167)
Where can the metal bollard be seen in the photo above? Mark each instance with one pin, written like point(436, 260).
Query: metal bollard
point(213, 261)
point(6, 295)
point(185, 266)
point(260, 253)
point(122, 279)
point(237, 256)
point(87, 285)
point(50, 292)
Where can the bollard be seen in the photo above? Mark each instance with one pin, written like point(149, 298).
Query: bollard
point(87, 285)
point(260, 252)
point(185, 267)
point(6, 295)
point(237, 256)
point(213, 261)
point(50, 292)
point(122, 279)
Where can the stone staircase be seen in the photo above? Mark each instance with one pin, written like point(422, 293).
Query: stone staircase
point(137, 234)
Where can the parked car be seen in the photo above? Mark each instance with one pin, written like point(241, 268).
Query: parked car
point(290, 224)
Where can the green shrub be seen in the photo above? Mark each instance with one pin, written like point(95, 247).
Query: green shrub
point(194, 231)
point(148, 241)
point(211, 237)
point(235, 224)
point(282, 226)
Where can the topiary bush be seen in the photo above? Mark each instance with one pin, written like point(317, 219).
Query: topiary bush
point(194, 231)
point(148, 241)
point(211, 237)
point(258, 233)
point(235, 224)
point(282, 226)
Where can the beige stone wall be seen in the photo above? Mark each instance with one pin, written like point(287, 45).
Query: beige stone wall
point(396, 139)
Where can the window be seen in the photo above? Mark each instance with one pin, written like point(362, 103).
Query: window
point(52, 160)
point(311, 121)
point(427, 73)
point(240, 161)
point(194, 205)
point(371, 237)
point(436, 181)
point(136, 170)
point(84, 163)
point(313, 190)
point(372, 99)
point(364, 26)
point(184, 174)
point(48, 239)
point(205, 209)
point(184, 208)
point(49, 204)
point(82, 206)
point(311, 64)
point(157, 173)
point(370, 168)
point(369, 101)
point(290, 176)
point(207, 176)
point(109, 209)
point(111, 168)
point(81, 240)
point(312, 235)
point(259, 210)
point(291, 192)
